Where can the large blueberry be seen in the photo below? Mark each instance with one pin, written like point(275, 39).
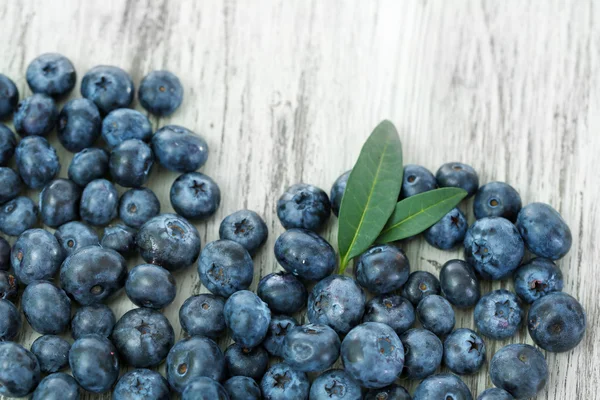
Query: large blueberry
point(337, 192)
point(36, 255)
point(416, 179)
point(282, 382)
point(392, 310)
point(458, 175)
point(202, 315)
point(18, 215)
point(303, 206)
point(10, 321)
point(119, 238)
point(130, 163)
point(422, 353)
point(160, 93)
point(419, 285)
point(46, 307)
point(37, 161)
point(335, 384)
point(95, 319)
point(391, 392)
point(460, 284)
point(520, 369)
point(8, 143)
point(35, 116)
point(498, 314)
point(544, 231)
point(382, 269)
point(10, 184)
point(79, 124)
point(74, 235)
point(151, 286)
point(464, 352)
point(449, 231)
point(57, 386)
point(195, 195)
point(52, 353)
point(141, 384)
point(9, 96)
point(88, 165)
point(497, 199)
point(495, 394)
point(305, 254)
point(178, 149)
point(108, 87)
point(283, 292)
point(279, 326)
point(99, 202)
point(59, 202)
point(8, 283)
point(204, 388)
point(311, 348)
point(242, 388)
point(245, 227)
point(51, 74)
point(225, 267)
point(19, 370)
point(536, 279)
point(94, 363)
point(442, 386)
point(137, 206)
point(436, 314)
point(247, 317)
point(242, 361)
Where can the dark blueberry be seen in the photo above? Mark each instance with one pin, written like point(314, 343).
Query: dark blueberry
point(170, 241)
point(10, 184)
point(335, 384)
point(416, 179)
point(419, 285)
point(137, 206)
point(464, 352)
point(498, 314)
point(204, 388)
point(556, 322)
point(202, 315)
point(35, 116)
point(337, 192)
point(51, 74)
point(460, 284)
point(242, 388)
point(88, 165)
point(195, 196)
point(18, 215)
point(94, 363)
point(520, 369)
point(495, 394)
point(52, 353)
point(92, 274)
point(141, 384)
point(283, 292)
point(497, 199)
point(544, 231)
point(160, 93)
point(8, 285)
point(247, 317)
point(536, 279)
point(4, 255)
point(442, 386)
point(150, 286)
point(99, 202)
point(37, 161)
point(458, 175)
point(242, 361)
point(8, 143)
point(436, 314)
point(373, 355)
point(95, 319)
point(245, 227)
point(305, 254)
point(422, 353)
point(79, 125)
point(130, 163)
point(494, 247)
point(392, 392)
point(74, 235)
point(449, 231)
point(46, 307)
point(382, 269)
point(58, 386)
point(192, 358)
point(125, 124)
point(282, 382)
point(311, 348)
point(19, 370)
point(178, 149)
point(392, 310)
point(9, 96)
point(10, 321)
point(225, 267)
point(143, 337)
point(279, 326)
point(36, 255)
point(108, 87)
point(120, 238)
point(59, 202)
point(303, 206)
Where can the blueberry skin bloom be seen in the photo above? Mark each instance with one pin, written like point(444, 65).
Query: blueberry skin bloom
point(35, 116)
point(449, 231)
point(94, 363)
point(494, 247)
point(119, 238)
point(204, 388)
point(10, 184)
point(57, 386)
point(8, 283)
point(108, 87)
point(419, 285)
point(195, 196)
point(282, 382)
point(442, 386)
point(9, 96)
point(311, 348)
point(337, 192)
point(93, 319)
point(436, 314)
point(130, 163)
point(59, 202)
point(178, 149)
point(544, 231)
point(8, 143)
point(303, 206)
point(19, 370)
point(373, 355)
point(495, 394)
point(51, 74)
point(88, 165)
point(422, 353)
point(150, 286)
point(225, 267)
point(79, 124)
point(382, 269)
point(556, 322)
point(536, 279)
point(18, 215)
point(99, 202)
point(305, 254)
point(242, 388)
point(170, 241)
point(242, 361)
point(46, 307)
point(498, 314)
point(37, 161)
point(52, 353)
point(10, 321)
point(460, 284)
point(245, 227)
point(279, 326)
point(160, 93)
point(75, 235)
point(392, 310)
point(464, 352)
point(137, 206)
point(335, 384)
point(283, 292)
point(416, 179)
point(392, 392)
point(458, 175)
point(36, 255)
point(202, 315)
point(247, 317)
point(520, 369)
point(141, 384)
point(497, 199)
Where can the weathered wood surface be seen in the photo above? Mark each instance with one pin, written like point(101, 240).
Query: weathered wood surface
point(287, 91)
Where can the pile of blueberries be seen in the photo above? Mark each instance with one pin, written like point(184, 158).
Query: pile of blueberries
point(372, 334)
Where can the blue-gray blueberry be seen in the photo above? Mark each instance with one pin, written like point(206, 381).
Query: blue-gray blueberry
point(464, 352)
point(79, 124)
point(18, 215)
point(544, 231)
point(282, 382)
point(35, 116)
point(520, 369)
point(151, 286)
point(242, 388)
point(194, 195)
point(51, 74)
point(442, 386)
point(536, 279)
point(96, 319)
point(245, 227)
point(242, 361)
point(59, 202)
point(130, 163)
point(225, 267)
point(392, 310)
point(498, 314)
point(46, 307)
point(382, 269)
point(141, 384)
point(37, 161)
point(449, 231)
point(108, 87)
point(52, 353)
point(303, 206)
point(160, 93)
point(99, 202)
point(422, 353)
point(57, 386)
point(88, 165)
point(10, 321)
point(460, 284)
point(247, 317)
point(436, 314)
point(75, 235)
point(311, 347)
point(178, 149)
point(335, 384)
point(94, 363)
point(283, 292)
point(458, 175)
point(36, 255)
point(416, 180)
point(497, 199)
point(119, 238)
point(279, 326)
point(19, 370)
point(419, 285)
point(137, 206)
point(202, 315)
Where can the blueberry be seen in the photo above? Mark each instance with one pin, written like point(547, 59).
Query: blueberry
point(18, 215)
point(460, 284)
point(556, 322)
point(202, 315)
point(279, 326)
point(160, 93)
point(37, 161)
point(130, 163)
point(10, 321)
point(170, 241)
point(225, 267)
point(382, 269)
point(494, 247)
point(464, 352)
point(391, 392)
point(449, 231)
point(95, 319)
point(242, 361)
point(94, 363)
point(497, 199)
point(9, 96)
point(192, 358)
point(150, 286)
point(143, 337)
point(74, 235)
point(178, 149)
point(335, 384)
point(458, 175)
point(495, 394)
point(195, 196)
point(498, 314)
point(337, 192)
point(311, 348)
point(59, 202)
point(416, 180)
point(442, 386)
point(419, 285)
point(46, 307)
point(108, 87)
point(204, 388)
point(92, 274)
point(520, 369)
point(242, 388)
point(51, 74)
point(436, 314)
point(52, 353)
point(8, 143)
point(58, 386)
point(137, 206)
point(544, 231)
point(373, 355)
point(8, 285)
point(88, 165)
point(282, 382)
point(99, 202)
point(245, 227)
point(79, 124)
point(36, 255)
point(4, 255)
point(141, 384)
point(536, 279)
point(247, 317)
point(305, 254)
point(392, 310)
point(283, 292)
point(303, 206)
point(19, 370)
point(422, 353)
point(10, 184)
point(35, 116)
point(119, 238)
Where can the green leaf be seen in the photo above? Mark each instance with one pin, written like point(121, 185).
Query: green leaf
point(371, 192)
point(415, 214)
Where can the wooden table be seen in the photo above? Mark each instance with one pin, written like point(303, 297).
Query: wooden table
point(287, 92)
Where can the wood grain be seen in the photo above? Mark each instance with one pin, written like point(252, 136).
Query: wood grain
point(287, 91)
